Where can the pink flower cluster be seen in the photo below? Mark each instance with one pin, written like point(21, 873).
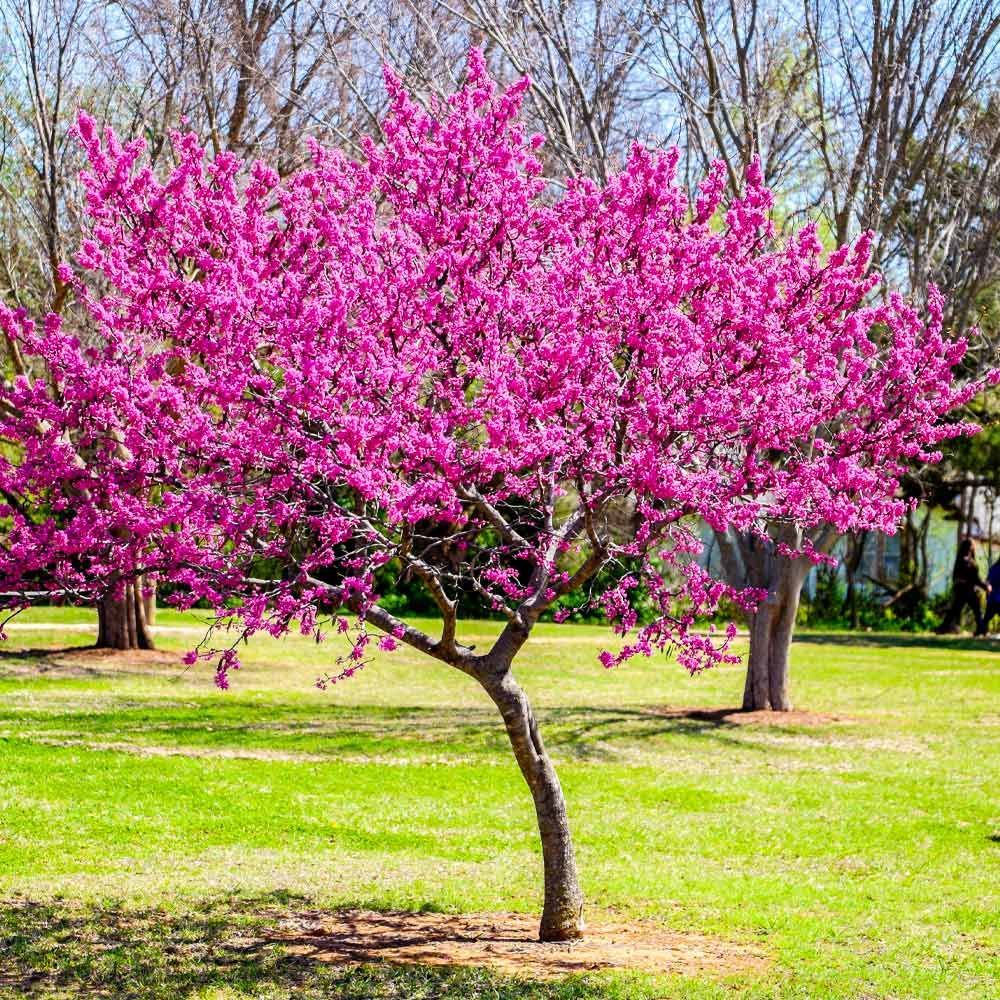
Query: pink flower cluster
point(427, 358)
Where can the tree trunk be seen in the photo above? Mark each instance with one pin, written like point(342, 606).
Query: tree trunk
point(852, 566)
point(562, 913)
point(121, 621)
point(750, 561)
point(149, 599)
point(771, 630)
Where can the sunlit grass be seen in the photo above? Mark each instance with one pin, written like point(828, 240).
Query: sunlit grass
point(139, 804)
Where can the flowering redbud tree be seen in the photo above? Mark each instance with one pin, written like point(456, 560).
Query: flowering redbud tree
point(431, 359)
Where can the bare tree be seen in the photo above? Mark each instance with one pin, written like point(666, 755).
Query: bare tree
point(42, 57)
point(589, 94)
point(737, 76)
point(898, 91)
point(254, 77)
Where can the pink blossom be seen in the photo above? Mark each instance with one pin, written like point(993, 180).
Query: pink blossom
point(425, 358)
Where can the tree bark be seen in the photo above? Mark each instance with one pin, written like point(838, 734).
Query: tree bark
point(562, 913)
point(750, 561)
point(149, 599)
point(771, 629)
point(852, 566)
point(121, 621)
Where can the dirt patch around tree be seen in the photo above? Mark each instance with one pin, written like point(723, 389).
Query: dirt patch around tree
point(508, 943)
point(119, 657)
point(83, 661)
point(761, 717)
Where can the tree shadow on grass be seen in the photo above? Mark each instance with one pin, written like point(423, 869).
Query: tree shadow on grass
point(898, 640)
point(303, 730)
point(56, 949)
point(594, 733)
point(43, 653)
point(359, 733)
point(86, 661)
point(276, 727)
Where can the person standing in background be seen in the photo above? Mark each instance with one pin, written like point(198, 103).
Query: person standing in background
point(965, 581)
point(992, 597)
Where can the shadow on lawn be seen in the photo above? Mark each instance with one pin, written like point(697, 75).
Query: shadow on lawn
point(43, 653)
point(274, 729)
point(87, 661)
point(586, 732)
point(52, 949)
point(897, 640)
point(591, 733)
point(298, 732)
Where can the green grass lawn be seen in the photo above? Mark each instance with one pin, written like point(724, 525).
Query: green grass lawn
point(153, 829)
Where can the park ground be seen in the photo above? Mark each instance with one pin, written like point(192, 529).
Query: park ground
point(160, 838)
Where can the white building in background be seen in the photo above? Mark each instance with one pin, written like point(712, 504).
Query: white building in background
point(881, 561)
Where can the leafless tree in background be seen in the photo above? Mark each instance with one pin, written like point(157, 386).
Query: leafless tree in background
point(896, 89)
point(44, 70)
point(589, 93)
point(864, 115)
point(250, 77)
point(737, 76)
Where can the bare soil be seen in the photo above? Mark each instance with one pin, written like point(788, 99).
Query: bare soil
point(118, 657)
point(508, 943)
point(83, 661)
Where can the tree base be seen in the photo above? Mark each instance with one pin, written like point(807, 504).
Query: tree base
point(550, 935)
point(507, 943)
point(767, 706)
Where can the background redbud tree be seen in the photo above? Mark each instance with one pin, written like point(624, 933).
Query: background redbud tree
point(432, 359)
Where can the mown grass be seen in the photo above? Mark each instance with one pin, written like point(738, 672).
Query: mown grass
point(152, 828)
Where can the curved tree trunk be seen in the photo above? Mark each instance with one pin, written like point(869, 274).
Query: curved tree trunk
point(121, 621)
point(562, 913)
